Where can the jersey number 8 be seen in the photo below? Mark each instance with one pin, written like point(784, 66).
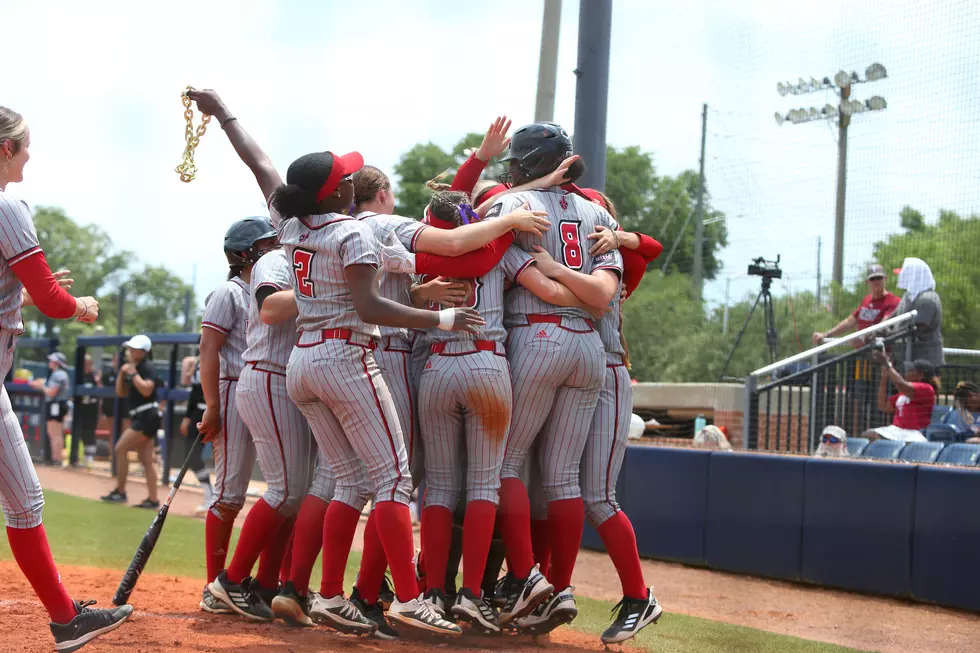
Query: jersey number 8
point(302, 262)
point(571, 251)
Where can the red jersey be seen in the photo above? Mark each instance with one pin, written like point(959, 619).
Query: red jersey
point(872, 311)
point(914, 413)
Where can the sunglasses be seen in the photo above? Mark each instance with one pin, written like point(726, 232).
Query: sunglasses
point(349, 178)
point(830, 439)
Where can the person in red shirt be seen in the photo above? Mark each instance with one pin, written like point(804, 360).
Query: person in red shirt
point(912, 405)
point(877, 305)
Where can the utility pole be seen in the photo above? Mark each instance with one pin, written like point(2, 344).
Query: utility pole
point(121, 310)
point(592, 89)
point(842, 84)
point(699, 217)
point(819, 263)
point(544, 106)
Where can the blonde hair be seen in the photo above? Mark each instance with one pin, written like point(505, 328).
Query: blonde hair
point(436, 184)
point(13, 127)
point(368, 182)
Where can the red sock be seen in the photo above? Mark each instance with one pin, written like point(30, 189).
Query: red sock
point(515, 526)
point(307, 541)
point(477, 533)
point(339, 525)
point(33, 556)
point(287, 558)
point(620, 541)
point(373, 562)
point(217, 538)
point(395, 529)
point(437, 536)
point(541, 544)
point(261, 526)
point(566, 521)
point(270, 561)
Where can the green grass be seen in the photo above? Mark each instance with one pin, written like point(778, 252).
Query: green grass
point(93, 534)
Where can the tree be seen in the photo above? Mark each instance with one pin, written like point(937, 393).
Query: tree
point(417, 166)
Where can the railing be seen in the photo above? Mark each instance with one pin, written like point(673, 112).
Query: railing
point(791, 410)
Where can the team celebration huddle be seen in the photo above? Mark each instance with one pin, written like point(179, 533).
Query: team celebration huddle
point(474, 354)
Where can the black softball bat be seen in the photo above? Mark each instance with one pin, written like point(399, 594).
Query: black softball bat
point(143, 551)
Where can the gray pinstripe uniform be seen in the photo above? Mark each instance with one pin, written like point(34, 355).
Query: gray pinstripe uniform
point(234, 453)
point(20, 492)
point(395, 353)
point(555, 354)
point(465, 395)
point(332, 375)
point(606, 446)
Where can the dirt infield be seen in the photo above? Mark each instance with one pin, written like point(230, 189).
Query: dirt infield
point(863, 622)
point(167, 619)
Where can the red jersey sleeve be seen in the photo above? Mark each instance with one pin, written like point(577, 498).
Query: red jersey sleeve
point(50, 298)
point(470, 265)
point(649, 249)
point(468, 174)
point(635, 261)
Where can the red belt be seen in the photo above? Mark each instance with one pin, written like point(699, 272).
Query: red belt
point(553, 319)
point(479, 345)
point(340, 334)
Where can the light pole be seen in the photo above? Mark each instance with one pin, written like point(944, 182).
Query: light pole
point(842, 84)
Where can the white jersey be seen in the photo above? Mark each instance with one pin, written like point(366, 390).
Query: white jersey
point(18, 241)
point(269, 343)
point(572, 218)
point(487, 297)
point(389, 230)
point(224, 311)
point(320, 248)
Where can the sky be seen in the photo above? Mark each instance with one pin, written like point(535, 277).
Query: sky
point(99, 84)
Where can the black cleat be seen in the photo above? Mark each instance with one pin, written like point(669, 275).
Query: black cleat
point(290, 606)
point(88, 624)
point(115, 497)
point(634, 615)
point(240, 598)
point(375, 613)
point(386, 594)
point(476, 611)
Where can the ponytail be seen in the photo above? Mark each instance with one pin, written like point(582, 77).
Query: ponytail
point(436, 185)
point(291, 201)
point(235, 271)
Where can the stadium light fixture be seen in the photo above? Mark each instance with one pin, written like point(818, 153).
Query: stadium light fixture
point(877, 103)
point(875, 72)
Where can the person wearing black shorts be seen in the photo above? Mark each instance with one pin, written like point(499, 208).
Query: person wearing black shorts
point(188, 428)
point(138, 382)
point(57, 389)
point(85, 418)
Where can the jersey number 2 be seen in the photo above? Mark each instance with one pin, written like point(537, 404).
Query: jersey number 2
point(571, 250)
point(302, 261)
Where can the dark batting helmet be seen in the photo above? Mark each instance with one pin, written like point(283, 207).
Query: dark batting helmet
point(241, 237)
point(539, 148)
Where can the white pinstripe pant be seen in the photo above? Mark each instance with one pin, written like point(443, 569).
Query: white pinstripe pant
point(20, 492)
point(280, 436)
point(557, 371)
point(340, 390)
point(234, 456)
point(606, 448)
point(465, 405)
point(323, 483)
point(394, 361)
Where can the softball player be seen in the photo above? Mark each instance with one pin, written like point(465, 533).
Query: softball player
point(57, 390)
point(222, 345)
point(26, 279)
point(557, 365)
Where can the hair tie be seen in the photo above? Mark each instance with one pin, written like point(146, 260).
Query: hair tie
point(467, 214)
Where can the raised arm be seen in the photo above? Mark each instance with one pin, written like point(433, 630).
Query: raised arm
point(470, 237)
point(248, 150)
point(556, 178)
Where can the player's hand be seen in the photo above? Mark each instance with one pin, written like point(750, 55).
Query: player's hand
point(444, 291)
point(606, 240)
point(548, 266)
point(880, 357)
point(528, 221)
point(185, 424)
point(128, 368)
point(597, 313)
point(91, 310)
point(209, 102)
point(559, 176)
point(818, 337)
point(466, 319)
point(210, 425)
point(496, 140)
point(61, 276)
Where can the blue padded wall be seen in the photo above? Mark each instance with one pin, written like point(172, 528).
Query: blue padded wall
point(857, 525)
point(755, 514)
point(945, 568)
point(666, 499)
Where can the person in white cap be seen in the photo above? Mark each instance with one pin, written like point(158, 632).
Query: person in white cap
point(138, 381)
point(57, 389)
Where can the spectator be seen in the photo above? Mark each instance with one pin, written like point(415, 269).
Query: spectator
point(833, 443)
point(85, 417)
point(965, 417)
point(878, 305)
point(912, 406)
point(57, 389)
point(916, 279)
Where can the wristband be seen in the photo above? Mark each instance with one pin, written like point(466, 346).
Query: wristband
point(447, 317)
point(228, 120)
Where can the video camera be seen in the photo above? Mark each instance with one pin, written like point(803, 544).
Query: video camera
point(760, 267)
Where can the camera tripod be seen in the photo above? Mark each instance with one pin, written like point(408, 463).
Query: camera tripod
point(772, 336)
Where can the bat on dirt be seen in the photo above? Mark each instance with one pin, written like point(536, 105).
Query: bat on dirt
point(143, 551)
